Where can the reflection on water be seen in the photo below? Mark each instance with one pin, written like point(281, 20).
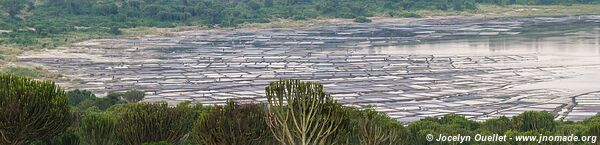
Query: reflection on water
point(583, 42)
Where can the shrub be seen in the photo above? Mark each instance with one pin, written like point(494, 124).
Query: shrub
point(376, 128)
point(132, 96)
point(145, 122)
point(301, 112)
point(157, 143)
point(362, 20)
point(232, 125)
point(497, 125)
point(115, 31)
point(531, 120)
point(31, 110)
point(77, 96)
point(98, 128)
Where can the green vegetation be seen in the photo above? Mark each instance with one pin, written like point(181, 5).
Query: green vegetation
point(32, 24)
point(132, 96)
point(233, 124)
point(30, 72)
point(31, 110)
point(97, 128)
point(149, 123)
point(362, 20)
point(310, 109)
point(301, 113)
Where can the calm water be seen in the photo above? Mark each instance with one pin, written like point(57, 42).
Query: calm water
point(582, 42)
point(578, 49)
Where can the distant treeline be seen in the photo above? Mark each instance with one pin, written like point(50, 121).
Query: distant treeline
point(30, 19)
point(296, 113)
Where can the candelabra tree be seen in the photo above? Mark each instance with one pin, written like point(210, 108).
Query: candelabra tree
point(98, 128)
point(145, 122)
point(301, 113)
point(31, 110)
point(233, 124)
point(375, 128)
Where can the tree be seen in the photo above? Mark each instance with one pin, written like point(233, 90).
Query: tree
point(115, 30)
point(233, 124)
point(376, 128)
point(145, 122)
point(362, 20)
point(300, 113)
point(497, 125)
point(31, 110)
point(132, 96)
point(98, 128)
point(420, 128)
point(531, 120)
point(77, 96)
point(13, 7)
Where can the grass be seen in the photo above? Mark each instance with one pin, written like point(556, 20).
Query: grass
point(9, 52)
point(36, 72)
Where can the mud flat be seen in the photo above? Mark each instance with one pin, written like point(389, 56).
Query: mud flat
point(473, 67)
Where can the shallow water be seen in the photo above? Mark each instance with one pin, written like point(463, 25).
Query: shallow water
point(575, 43)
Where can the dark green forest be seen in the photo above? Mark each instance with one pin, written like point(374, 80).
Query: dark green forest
point(36, 112)
point(30, 20)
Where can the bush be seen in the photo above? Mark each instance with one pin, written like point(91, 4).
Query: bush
point(132, 96)
point(376, 128)
point(115, 31)
point(77, 96)
point(31, 110)
point(157, 143)
point(362, 20)
point(233, 124)
point(531, 120)
point(497, 125)
point(98, 128)
point(144, 122)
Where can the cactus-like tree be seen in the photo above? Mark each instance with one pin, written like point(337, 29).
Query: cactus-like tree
point(301, 113)
point(532, 120)
point(31, 110)
point(233, 124)
point(376, 128)
point(145, 122)
point(98, 128)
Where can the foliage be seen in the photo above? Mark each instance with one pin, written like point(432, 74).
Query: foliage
point(77, 96)
point(295, 110)
point(362, 20)
point(115, 30)
point(144, 122)
point(531, 120)
point(31, 110)
point(497, 125)
point(103, 103)
point(157, 143)
point(375, 128)
point(233, 124)
point(68, 138)
point(301, 112)
point(98, 128)
point(133, 96)
point(30, 72)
